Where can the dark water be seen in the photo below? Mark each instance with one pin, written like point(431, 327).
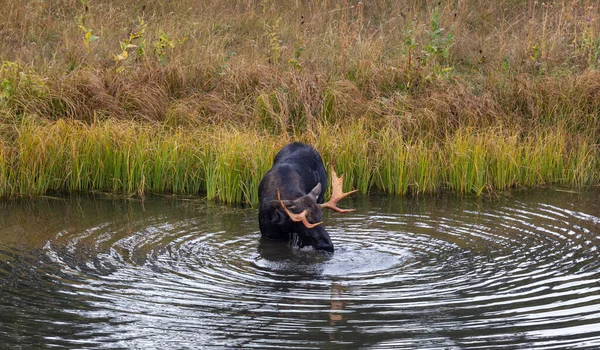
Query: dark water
point(520, 272)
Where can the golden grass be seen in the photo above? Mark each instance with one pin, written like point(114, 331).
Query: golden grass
point(227, 164)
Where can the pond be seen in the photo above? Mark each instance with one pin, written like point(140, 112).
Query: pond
point(518, 271)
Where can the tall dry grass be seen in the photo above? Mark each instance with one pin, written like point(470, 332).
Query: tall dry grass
point(469, 96)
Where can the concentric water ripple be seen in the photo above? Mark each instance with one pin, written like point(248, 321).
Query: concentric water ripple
point(430, 273)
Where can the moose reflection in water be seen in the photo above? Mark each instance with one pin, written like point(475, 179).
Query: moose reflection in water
point(296, 265)
point(291, 197)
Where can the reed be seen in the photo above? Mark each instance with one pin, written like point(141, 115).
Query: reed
point(235, 165)
point(228, 164)
point(349, 149)
point(5, 170)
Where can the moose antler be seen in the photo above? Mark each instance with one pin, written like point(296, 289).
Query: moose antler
point(297, 217)
point(337, 193)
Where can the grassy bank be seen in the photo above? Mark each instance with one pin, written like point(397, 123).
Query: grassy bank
point(184, 97)
point(227, 164)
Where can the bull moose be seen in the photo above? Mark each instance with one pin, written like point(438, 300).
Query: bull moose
point(291, 197)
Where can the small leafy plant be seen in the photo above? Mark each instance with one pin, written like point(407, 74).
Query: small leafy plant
point(88, 36)
point(588, 45)
point(275, 47)
point(163, 45)
point(299, 47)
point(437, 50)
point(440, 41)
point(136, 42)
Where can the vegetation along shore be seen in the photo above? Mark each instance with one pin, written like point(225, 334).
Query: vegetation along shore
point(193, 97)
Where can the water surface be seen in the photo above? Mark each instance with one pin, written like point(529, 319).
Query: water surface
point(522, 271)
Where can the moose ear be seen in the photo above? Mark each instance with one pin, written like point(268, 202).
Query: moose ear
point(315, 191)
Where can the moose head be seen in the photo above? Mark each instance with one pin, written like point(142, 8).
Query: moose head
point(307, 213)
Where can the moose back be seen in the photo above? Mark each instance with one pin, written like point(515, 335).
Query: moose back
point(291, 197)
